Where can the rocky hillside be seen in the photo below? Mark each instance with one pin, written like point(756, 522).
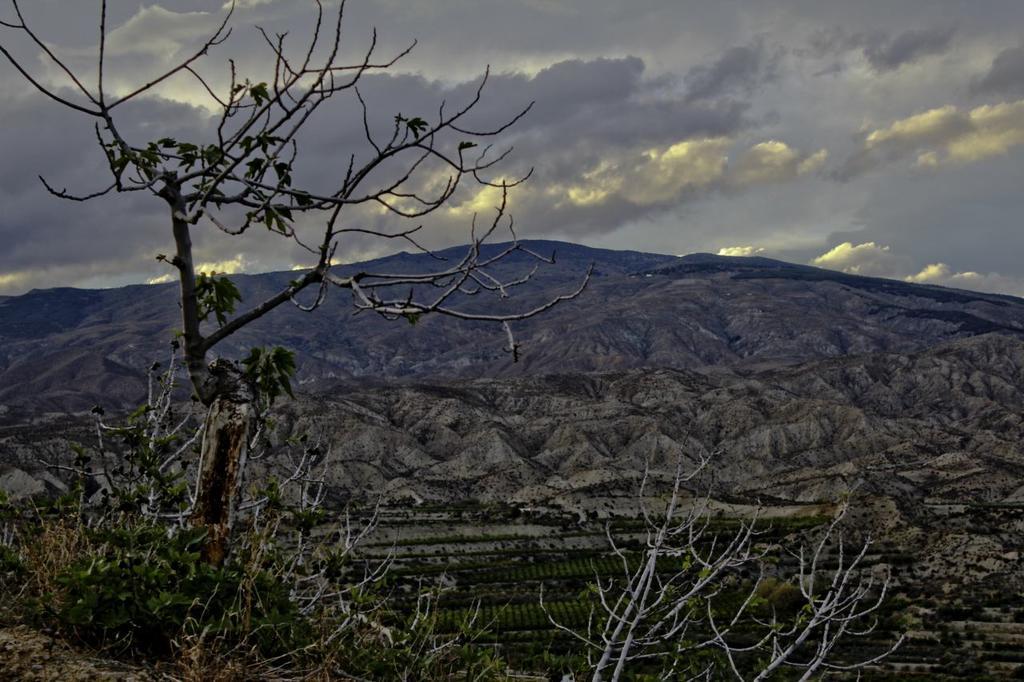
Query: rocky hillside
point(941, 425)
point(67, 349)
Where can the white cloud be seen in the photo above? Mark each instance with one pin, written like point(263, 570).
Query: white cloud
point(654, 176)
point(663, 174)
point(660, 175)
point(740, 250)
point(11, 281)
point(774, 161)
point(943, 275)
point(229, 266)
point(812, 163)
point(159, 32)
point(245, 4)
point(932, 273)
point(995, 129)
point(149, 43)
point(928, 127)
point(868, 258)
point(943, 136)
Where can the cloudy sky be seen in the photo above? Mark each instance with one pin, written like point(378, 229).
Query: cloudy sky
point(875, 137)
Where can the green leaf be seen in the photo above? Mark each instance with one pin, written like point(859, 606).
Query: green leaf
point(216, 295)
point(270, 370)
point(416, 126)
point(259, 93)
point(254, 166)
point(273, 218)
point(213, 154)
point(140, 411)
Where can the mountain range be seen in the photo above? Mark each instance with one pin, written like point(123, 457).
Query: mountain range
point(802, 377)
point(68, 349)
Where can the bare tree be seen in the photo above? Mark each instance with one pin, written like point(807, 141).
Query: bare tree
point(141, 464)
point(664, 607)
point(242, 176)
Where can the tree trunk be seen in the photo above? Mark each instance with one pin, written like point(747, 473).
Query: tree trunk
point(229, 398)
point(225, 447)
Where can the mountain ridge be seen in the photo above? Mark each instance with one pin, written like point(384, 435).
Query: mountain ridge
point(67, 349)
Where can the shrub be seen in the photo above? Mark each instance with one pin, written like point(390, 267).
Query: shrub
point(142, 586)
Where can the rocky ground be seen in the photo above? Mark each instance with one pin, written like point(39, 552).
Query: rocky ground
point(941, 425)
point(32, 656)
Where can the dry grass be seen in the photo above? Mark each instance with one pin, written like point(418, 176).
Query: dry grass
point(201, 657)
point(58, 543)
point(198, 659)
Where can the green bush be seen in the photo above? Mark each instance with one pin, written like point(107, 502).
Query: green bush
point(12, 568)
point(143, 586)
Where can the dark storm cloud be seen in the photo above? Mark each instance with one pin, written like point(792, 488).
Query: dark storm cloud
point(883, 52)
point(908, 47)
point(603, 102)
point(584, 111)
point(740, 69)
point(675, 125)
point(1005, 76)
point(40, 231)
